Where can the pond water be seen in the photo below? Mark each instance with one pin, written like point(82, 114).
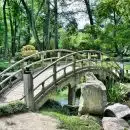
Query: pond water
point(64, 101)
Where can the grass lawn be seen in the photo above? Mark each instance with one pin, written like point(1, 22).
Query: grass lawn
point(71, 122)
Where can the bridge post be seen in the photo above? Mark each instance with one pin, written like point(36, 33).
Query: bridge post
point(54, 73)
point(74, 64)
point(89, 55)
point(71, 95)
point(59, 54)
point(42, 58)
point(28, 89)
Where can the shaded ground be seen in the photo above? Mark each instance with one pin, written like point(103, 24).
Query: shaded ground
point(28, 121)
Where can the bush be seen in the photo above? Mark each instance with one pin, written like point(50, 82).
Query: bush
point(52, 104)
point(28, 50)
point(13, 108)
point(117, 93)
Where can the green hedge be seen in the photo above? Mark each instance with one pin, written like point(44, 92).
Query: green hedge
point(13, 108)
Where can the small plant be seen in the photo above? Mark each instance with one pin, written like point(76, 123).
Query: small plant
point(116, 93)
point(13, 108)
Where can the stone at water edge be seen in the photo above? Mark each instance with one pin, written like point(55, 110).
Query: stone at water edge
point(93, 98)
point(113, 123)
point(118, 110)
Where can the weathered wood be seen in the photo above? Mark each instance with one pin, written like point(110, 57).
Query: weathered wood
point(72, 63)
point(54, 73)
point(71, 95)
point(28, 89)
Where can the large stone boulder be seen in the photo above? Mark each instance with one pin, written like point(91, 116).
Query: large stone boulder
point(118, 110)
point(113, 123)
point(93, 98)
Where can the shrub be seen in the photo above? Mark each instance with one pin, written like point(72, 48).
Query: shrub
point(29, 50)
point(52, 104)
point(13, 108)
point(116, 93)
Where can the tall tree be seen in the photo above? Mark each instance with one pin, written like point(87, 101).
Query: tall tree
point(46, 28)
point(56, 24)
point(6, 28)
point(32, 24)
point(89, 11)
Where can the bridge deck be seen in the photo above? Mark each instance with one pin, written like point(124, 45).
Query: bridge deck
point(17, 91)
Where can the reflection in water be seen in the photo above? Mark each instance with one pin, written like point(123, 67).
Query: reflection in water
point(64, 101)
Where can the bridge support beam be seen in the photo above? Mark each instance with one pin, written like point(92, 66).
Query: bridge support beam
point(28, 89)
point(71, 95)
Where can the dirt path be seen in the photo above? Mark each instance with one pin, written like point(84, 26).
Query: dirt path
point(28, 121)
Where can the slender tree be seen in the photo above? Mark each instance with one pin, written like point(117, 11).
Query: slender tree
point(89, 11)
point(32, 24)
point(56, 24)
point(6, 28)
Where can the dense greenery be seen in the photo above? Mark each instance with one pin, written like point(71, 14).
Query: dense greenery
point(117, 93)
point(48, 24)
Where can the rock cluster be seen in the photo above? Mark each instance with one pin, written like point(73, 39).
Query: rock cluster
point(116, 117)
point(93, 100)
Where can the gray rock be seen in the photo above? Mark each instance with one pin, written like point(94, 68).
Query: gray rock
point(93, 98)
point(117, 110)
point(113, 123)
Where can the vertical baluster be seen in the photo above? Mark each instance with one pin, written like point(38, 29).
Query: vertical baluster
point(82, 63)
point(64, 71)
point(59, 54)
point(10, 82)
point(42, 59)
point(66, 60)
point(22, 67)
point(54, 73)
point(74, 64)
point(43, 86)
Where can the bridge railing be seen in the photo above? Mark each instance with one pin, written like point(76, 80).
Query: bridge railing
point(78, 62)
point(46, 57)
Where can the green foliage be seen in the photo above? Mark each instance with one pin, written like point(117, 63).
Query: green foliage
point(18, 56)
point(13, 108)
point(117, 93)
point(3, 65)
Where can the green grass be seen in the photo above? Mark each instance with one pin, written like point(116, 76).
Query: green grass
point(127, 67)
point(71, 122)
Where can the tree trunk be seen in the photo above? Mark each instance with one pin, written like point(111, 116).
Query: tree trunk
point(47, 26)
point(32, 24)
point(6, 28)
point(56, 24)
point(114, 33)
point(87, 3)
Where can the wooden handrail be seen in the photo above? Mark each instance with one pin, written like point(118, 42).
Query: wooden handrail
point(74, 58)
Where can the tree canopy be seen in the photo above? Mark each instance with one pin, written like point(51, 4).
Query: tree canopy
point(49, 24)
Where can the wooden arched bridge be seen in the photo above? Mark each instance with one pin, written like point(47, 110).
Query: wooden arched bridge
point(34, 81)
